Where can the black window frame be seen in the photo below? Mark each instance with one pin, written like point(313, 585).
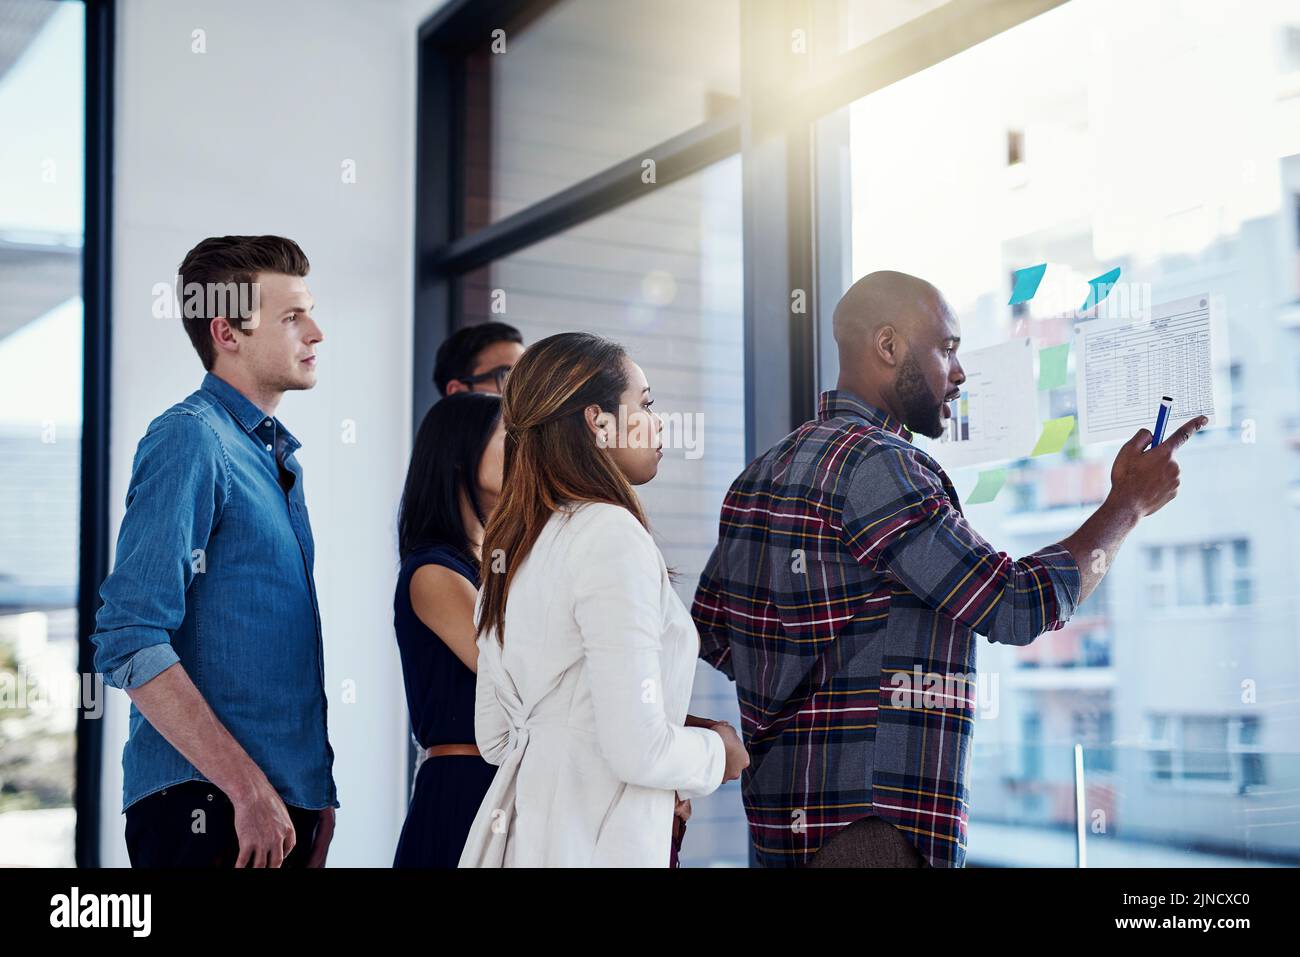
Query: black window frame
point(96, 413)
point(783, 94)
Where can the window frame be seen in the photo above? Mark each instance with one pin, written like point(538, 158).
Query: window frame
point(1230, 575)
point(773, 129)
point(96, 413)
point(1171, 744)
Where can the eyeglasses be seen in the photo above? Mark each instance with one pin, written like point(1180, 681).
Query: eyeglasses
point(497, 375)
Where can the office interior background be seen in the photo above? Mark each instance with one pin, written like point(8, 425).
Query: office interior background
point(444, 164)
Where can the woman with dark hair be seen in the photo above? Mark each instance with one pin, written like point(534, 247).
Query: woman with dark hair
point(452, 486)
point(586, 654)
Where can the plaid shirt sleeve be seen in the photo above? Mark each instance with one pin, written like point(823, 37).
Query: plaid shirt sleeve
point(899, 519)
point(715, 646)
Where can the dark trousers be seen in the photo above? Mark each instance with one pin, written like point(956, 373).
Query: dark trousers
point(166, 829)
point(869, 842)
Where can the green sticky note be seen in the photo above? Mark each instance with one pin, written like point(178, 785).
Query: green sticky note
point(1055, 432)
point(1051, 366)
point(988, 486)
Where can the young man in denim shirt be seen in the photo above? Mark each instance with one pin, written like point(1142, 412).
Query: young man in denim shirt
point(210, 621)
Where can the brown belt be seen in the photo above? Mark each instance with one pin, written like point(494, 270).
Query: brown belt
point(440, 750)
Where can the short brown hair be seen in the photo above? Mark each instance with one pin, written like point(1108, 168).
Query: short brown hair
point(232, 259)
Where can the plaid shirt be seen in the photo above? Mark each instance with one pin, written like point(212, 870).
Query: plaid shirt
point(843, 598)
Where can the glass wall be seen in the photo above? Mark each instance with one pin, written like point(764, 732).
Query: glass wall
point(41, 185)
point(840, 26)
point(1162, 139)
point(568, 94)
point(662, 276)
point(572, 88)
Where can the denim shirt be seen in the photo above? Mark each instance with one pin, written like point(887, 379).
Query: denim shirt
point(214, 570)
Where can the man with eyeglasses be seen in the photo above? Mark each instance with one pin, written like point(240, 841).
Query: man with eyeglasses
point(477, 358)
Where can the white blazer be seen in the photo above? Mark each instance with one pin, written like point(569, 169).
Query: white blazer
point(583, 708)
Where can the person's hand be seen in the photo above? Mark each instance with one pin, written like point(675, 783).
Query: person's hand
point(737, 756)
point(320, 845)
point(1145, 482)
point(682, 810)
point(263, 827)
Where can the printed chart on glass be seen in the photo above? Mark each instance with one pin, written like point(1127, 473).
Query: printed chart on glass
point(1126, 366)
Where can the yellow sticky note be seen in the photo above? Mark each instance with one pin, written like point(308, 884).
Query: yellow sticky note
point(1055, 432)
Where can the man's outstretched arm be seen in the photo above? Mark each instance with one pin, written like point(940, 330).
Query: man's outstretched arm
point(899, 519)
point(1141, 483)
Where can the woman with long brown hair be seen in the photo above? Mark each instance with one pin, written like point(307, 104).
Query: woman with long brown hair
point(586, 654)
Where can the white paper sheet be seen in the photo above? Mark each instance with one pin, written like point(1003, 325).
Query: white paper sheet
point(996, 418)
point(1124, 366)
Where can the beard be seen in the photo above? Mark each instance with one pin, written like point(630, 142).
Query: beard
point(920, 406)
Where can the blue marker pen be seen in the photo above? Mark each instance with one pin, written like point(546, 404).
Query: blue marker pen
point(1162, 419)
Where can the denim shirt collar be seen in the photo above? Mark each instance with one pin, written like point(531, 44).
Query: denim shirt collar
point(250, 418)
point(837, 402)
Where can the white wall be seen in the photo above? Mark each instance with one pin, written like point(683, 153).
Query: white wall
point(249, 137)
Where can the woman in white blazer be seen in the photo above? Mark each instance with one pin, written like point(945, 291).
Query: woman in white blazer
point(586, 654)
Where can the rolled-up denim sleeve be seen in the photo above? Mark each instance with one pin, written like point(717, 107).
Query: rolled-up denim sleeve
point(179, 484)
point(899, 519)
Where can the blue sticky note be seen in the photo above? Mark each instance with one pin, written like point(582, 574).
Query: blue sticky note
point(1100, 288)
point(1026, 283)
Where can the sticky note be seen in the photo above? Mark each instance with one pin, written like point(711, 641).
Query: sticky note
point(1099, 288)
point(1052, 366)
point(988, 485)
point(1055, 432)
point(1026, 283)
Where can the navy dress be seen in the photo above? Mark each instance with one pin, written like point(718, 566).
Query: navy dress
point(440, 697)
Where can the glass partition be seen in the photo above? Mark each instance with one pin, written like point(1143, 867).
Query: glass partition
point(1162, 140)
point(41, 182)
